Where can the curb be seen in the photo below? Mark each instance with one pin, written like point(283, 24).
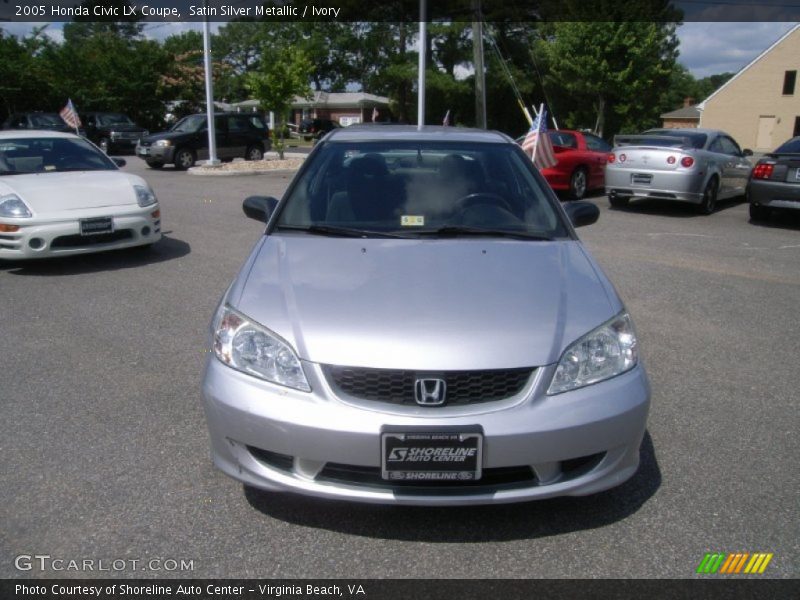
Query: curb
point(217, 171)
point(212, 172)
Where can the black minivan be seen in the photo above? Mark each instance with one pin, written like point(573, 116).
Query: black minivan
point(244, 135)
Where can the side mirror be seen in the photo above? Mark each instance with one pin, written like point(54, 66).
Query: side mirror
point(259, 208)
point(120, 162)
point(582, 213)
point(747, 152)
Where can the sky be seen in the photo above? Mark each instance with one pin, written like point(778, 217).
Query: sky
point(705, 48)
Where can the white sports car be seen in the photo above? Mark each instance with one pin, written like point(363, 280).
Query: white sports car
point(60, 195)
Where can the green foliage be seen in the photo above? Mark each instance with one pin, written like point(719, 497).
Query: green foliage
point(281, 75)
point(612, 74)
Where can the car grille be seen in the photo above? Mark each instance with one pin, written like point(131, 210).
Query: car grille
point(397, 386)
point(78, 241)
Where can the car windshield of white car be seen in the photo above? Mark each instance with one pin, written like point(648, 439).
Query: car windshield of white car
point(23, 156)
point(427, 189)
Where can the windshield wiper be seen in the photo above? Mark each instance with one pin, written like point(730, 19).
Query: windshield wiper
point(459, 230)
point(341, 231)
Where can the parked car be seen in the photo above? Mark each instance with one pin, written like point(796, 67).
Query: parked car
point(775, 181)
point(39, 120)
point(60, 195)
point(244, 135)
point(581, 163)
point(113, 132)
point(419, 324)
point(316, 128)
point(699, 166)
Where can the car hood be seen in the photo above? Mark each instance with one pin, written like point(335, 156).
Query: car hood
point(453, 304)
point(72, 190)
point(165, 135)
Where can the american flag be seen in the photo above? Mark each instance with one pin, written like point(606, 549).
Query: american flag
point(537, 143)
point(70, 115)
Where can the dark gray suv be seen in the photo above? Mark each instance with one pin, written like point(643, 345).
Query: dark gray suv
point(244, 135)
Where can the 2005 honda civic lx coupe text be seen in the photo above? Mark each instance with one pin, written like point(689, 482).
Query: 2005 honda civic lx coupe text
point(420, 324)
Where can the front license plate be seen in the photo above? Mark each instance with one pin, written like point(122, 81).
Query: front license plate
point(143, 151)
point(416, 456)
point(797, 175)
point(97, 226)
point(640, 179)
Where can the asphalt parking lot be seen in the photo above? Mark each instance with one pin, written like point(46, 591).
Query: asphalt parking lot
point(104, 452)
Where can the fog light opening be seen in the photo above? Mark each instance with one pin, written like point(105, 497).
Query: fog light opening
point(36, 243)
point(145, 231)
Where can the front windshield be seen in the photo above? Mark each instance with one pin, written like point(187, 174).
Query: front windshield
point(21, 156)
point(113, 119)
point(190, 124)
point(45, 120)
point(421, 188)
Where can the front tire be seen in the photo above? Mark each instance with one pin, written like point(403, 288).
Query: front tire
point(709, 202)
point(184, 159)
point(578, 183)
point(254, 153)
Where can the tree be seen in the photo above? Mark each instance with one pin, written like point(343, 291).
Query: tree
point(281, 75)
point(614, 74)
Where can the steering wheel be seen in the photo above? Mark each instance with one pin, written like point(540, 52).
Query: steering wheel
point(477, 198)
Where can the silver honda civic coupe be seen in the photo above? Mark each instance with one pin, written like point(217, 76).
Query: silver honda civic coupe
point(419, 324)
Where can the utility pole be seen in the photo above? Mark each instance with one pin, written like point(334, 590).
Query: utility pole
point(480, 75)
point(212, 136)
point(423, 34)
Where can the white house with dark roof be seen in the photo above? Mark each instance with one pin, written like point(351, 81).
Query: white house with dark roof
point(348, 108)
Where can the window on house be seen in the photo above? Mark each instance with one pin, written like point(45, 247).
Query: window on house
point(789, 79)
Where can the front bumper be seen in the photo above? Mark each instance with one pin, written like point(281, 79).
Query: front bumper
point(43, 238)
point(278, 439)
point(158, 154)
point(685, 186)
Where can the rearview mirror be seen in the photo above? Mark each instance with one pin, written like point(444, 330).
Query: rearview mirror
point(582, 213)
point(747, 152)
point(259, 208)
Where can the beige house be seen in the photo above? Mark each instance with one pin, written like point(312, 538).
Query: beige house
point(760, 105)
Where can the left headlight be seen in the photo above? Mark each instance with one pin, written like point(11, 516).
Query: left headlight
point(602, 353)
point(12, 206)
point(247, 346)
point(145, 196)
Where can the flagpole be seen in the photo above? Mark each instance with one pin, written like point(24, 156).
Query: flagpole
point(538, 132)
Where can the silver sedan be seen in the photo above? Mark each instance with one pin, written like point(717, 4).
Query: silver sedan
point(699, 166)
point(419, 324)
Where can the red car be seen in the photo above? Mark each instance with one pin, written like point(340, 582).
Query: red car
point(581, 162)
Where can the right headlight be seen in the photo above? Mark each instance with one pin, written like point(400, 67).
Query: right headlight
point(12, 206)
point(602, 353)
point(247, 346)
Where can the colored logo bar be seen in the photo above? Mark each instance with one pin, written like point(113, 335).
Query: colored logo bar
point(734, 564)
